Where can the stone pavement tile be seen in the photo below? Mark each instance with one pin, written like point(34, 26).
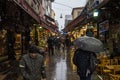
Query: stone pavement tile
point(59, 67)
point(2, 76)
point(95, 76)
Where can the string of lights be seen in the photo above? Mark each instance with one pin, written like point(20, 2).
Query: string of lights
point(61, 9)
point(62, 5)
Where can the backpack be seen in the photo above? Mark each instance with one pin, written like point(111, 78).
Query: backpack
point(93, 62)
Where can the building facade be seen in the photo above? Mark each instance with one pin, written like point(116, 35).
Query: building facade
point(18, 18)
point(68, 19)
point(76, 12)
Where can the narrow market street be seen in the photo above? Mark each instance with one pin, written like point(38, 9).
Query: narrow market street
point(58, 67)
point(60, 39)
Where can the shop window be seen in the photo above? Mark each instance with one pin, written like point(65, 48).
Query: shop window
point(18, 44)
point(2, 42)
point(104, 31)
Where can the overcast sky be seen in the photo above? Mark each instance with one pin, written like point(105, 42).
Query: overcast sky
point(64, 7)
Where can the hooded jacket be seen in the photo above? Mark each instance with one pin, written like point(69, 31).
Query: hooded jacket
point(82, 60)
point(31, 68)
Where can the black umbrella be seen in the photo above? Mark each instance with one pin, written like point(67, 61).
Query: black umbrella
point(89, 44)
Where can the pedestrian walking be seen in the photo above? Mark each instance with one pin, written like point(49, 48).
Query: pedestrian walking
point(67, 43)
point(50, 42)
point(57, 43)
point(90, 32)
point(82, 60)
point(85, 56)
point(32, 65)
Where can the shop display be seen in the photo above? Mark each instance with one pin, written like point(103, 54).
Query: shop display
point(17, 45)
point(2, 42)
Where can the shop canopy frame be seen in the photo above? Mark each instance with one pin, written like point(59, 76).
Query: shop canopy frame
point(75, 23)
point(49, 26)
point(34, 15)
point(27, 9)
point(83, 18)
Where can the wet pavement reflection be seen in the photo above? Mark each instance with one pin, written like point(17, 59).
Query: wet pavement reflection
point(58, 67)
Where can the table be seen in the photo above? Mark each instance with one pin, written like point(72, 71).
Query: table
point(113, 68)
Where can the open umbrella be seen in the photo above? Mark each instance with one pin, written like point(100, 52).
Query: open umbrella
point(89, 44)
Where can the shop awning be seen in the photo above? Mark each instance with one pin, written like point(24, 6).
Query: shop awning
point(25, 6)
point(75, 23)
point(28, 9)
point(82, 19)
point(49, 18)
point(100, 5)
point(49, 26)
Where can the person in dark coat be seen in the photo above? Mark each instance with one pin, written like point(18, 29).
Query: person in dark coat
point(57, 43)
point(82, 60)
point(90, 32)
point(32, 65)
point(50, 42)
point(67, 43)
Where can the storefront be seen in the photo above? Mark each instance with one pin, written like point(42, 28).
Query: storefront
point(2, 42)
point(43, 34)
point(104, 31)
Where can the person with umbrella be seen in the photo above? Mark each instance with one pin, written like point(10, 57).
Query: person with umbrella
point(85, 56)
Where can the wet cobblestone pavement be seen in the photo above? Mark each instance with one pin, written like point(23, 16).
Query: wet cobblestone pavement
point(58, 67)
point(2, 76)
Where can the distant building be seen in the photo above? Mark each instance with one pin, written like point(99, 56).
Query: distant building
point(56, 22)
point(68, 19)
point(76, 12)
point(52, 14)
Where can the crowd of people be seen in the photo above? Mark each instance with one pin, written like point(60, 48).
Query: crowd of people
point(55, 43)
point(32, 64)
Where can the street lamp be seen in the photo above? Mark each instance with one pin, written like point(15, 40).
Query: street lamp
point(63, 5)
point(96, 13)
point(95, 16)
point(61, 16)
